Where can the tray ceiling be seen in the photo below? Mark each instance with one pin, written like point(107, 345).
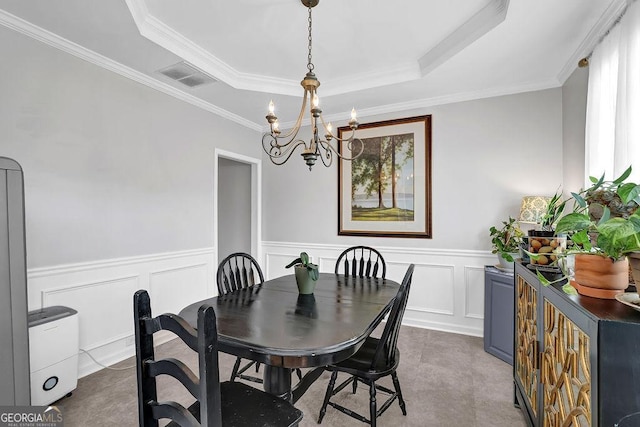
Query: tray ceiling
point(379, 56)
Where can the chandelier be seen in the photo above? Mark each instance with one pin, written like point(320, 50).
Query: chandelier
point(281, 147)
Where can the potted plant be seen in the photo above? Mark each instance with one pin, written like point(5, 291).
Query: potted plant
point(306, 273)
point(545, 242)
point(506, 242)
point(620, 198)
point(554, 211)
point(602, 242)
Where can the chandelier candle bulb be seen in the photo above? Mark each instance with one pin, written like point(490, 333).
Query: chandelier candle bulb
point(329, 130)
point(271, 118)
point(353, 123)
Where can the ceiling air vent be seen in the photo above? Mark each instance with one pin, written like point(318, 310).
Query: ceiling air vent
point(186, 74)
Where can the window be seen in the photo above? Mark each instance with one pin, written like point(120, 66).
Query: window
point(613, 101)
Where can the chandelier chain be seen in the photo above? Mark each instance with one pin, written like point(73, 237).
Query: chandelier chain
point(309, 63)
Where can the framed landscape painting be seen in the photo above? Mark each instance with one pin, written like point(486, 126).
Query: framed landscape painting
point(386, 191)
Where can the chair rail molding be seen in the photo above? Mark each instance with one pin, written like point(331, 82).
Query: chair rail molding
point(447, 289)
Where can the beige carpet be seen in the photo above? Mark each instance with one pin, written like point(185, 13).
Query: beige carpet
point(446, 380)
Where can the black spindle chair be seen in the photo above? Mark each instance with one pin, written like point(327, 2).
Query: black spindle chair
point(239, 271)
point(377, 358)
point(216, 404)
point(361, 261)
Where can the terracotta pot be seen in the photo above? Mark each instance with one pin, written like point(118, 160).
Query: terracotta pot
point(634, 264)
point(599, 276)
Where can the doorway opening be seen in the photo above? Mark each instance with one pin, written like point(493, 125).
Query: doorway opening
point(237, 204)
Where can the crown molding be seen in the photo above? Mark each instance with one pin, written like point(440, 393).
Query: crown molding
point(163, 35)
point(19, 25)
point(475, 27)
point(431, 102)
point(37, 33)
point(595, 35)
point(158, 32)
point(458, 97)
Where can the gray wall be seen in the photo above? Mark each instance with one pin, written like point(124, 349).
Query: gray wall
point(112, 168)
point(574, 109)
point(116, 169)
point(234, 207)
point(486, 154)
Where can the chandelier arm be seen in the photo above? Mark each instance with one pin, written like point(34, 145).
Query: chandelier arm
point(328, 148)
point(276, 153)
point(273, 148)
point(353, 132)
point(328, 152)
point(296, 127)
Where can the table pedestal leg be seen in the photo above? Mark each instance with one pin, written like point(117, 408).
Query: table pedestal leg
point(277, 381)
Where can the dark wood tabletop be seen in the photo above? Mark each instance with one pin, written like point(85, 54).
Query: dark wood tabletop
point(273, 324)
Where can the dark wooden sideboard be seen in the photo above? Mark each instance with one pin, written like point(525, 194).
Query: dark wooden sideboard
point(576, 358)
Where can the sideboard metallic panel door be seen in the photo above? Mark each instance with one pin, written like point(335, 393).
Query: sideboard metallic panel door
point(14, 331)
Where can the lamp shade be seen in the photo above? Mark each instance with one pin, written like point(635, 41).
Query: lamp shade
point(533, 209)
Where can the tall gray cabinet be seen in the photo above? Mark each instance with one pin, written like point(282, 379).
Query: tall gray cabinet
point(14, 331)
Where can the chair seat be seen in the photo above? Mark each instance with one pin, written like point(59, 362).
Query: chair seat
point(360, 363)
point(245, 406)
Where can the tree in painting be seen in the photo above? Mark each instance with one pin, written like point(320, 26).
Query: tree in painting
point(382, 179)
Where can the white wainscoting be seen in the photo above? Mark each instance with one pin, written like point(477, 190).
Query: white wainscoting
point(447, 292)
point(102, 293)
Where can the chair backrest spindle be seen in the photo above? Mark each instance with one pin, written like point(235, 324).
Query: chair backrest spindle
point(238, 271)
point(361, 261)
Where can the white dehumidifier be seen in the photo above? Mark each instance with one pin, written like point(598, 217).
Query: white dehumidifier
point(53, 353)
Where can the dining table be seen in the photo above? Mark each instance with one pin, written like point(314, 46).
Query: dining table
point(273, 324)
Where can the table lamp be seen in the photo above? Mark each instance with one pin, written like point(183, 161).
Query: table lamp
point(532, 209)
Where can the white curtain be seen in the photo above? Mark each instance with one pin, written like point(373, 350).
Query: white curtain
point(613, 101)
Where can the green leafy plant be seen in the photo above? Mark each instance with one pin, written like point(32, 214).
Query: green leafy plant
point(303, 261)
point(619, 197)
point(555, 208)
point(615, 231)
point(506, 240)
point(567, 288)
point(614, 237)
point(605, 221)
